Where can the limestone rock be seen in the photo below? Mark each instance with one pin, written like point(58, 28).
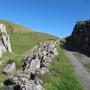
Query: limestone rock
point(4, 40)
point(43, 71)
point(10, 68)
point(35, 63)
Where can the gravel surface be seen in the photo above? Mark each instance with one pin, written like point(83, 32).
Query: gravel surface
point(82, 58)
point(80, 71)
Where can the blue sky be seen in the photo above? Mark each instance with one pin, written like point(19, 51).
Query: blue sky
point(55, 17)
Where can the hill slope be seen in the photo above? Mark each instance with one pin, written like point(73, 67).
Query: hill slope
point(61, 76)
point(22, 40)
point(13, 27)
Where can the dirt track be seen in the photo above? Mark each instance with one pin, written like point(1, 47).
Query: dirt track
point(81, 73)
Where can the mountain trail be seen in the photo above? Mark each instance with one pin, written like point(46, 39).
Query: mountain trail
point(81, 73)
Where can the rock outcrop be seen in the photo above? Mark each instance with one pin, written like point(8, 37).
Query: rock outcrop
point(10, 68)
point(35, 63)
point(4, 40)
point(80, 37)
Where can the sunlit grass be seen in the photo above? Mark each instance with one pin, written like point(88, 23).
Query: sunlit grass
point(61, 76)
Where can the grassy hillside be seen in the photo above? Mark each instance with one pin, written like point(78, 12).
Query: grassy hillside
point(22, 40)
point(61, 76)
point(13, 27)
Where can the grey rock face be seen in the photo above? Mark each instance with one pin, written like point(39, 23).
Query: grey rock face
point(35, 63)
point(4, 40)
point(10, 68)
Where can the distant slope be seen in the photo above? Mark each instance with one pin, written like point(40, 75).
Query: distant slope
point(22, 38)
point(23, 41)
point(13, 27)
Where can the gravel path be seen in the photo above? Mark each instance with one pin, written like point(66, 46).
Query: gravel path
point(80, 71)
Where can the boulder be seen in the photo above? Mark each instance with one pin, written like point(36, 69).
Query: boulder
point(43, 70)
point(34, 66)
point(10, 68)
point(4, 40)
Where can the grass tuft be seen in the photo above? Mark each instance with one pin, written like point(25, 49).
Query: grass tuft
point(87, 65)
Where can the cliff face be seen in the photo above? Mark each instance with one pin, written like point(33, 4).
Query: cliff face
point(4, 40)
point(80, 37)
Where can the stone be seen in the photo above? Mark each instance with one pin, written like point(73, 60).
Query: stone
point(15, 79)
point(34, 66)
point(39, 87)
point(10, 68)
point(4, 40)
point(2, 49)
point(43, 71)
point(35, 63)
point(55, 51)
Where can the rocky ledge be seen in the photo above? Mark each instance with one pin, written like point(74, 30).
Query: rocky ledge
point(35, 63)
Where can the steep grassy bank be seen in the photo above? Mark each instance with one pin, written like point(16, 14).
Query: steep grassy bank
point(61, 76)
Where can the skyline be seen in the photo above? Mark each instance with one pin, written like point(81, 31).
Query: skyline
point(56, 17)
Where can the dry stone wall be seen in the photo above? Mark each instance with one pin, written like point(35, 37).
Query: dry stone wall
point(35, 63)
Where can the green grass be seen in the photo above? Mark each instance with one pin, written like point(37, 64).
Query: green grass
point(14, 27)
point(61, 76)
point(21, 42)
point(87, 65)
